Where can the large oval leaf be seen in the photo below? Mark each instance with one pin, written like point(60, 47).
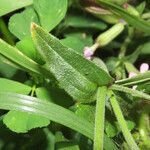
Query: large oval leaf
point(77, 75)
point(50, 12)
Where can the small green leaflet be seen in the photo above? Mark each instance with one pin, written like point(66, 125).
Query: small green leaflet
point(19, 23)
point(22, 122)
point(50, 12)
point(77, 75)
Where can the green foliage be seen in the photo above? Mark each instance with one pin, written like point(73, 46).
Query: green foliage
point(72, 88)
point(6, 6)
point(21, 22)
point(50, 12)
point(81, 83)
point(13, 86)
point(134, 21)
point(22, 122)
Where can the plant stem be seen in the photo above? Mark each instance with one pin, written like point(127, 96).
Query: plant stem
point(140, 78)
point(6, 33)
point(33, 90)
point(130, 91)
point(122, 123)
point(126, 42)
point(100, 118)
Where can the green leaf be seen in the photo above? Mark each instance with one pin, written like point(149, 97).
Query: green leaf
point(145, 49)
point(64, 145)
point(110, 129)
point(13, 86)
point(134, 21)
point(17, 58)
point(140, 8)
point(50, 111)
point(7, 6)
point(22, 122)
point(78, 20)
point(82, 110)
point(77, 75)
point(19, 24)
point(26, 46)
point(50, 12)
point(6, 70)
point(53, 95)
point(77, 42)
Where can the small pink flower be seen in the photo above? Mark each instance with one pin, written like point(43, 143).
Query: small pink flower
point(144, 67)
point(125, 5)
point(88, 52)
point(132, 74)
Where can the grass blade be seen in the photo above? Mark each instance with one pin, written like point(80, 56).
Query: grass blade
point(56, 113)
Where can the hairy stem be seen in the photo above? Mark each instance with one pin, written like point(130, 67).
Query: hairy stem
point(100, 118)
point(130, 91)
point(122, 123)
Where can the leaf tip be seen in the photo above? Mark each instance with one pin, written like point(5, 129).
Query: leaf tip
point(33, 25)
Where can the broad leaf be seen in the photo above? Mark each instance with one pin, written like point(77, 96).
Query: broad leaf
point(19, 24)
point(7, 6)
point(134, 21)
point(22, 122)
point(77, 75)
point(50, 111)
point(50, 12)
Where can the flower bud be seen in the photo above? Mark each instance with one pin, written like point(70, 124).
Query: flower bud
point(110, 34)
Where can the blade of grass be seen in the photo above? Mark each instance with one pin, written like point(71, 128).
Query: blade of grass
point(56, 113)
